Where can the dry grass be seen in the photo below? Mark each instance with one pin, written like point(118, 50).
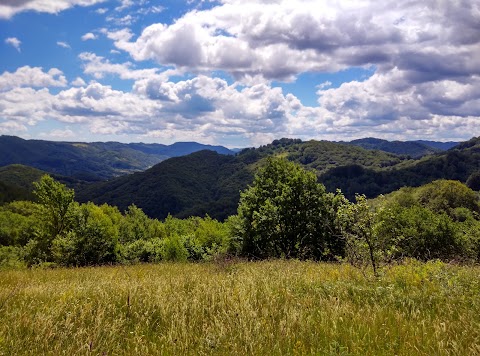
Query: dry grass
point(271, 308)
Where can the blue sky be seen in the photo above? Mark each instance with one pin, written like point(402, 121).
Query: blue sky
point(239, 73)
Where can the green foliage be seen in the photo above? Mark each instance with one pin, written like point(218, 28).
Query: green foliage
point(92, 239)
point(417, 232)
point(446, 196)
point(19, 223)
point(56, 200)
point(357, 224)
point(143, 251)
point(174, 249)
point(136, 225)
point(286, 213)
point(12, 257)
point(473, 181)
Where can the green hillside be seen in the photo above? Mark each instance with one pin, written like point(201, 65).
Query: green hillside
point(457, 163)
point(197, 184)
point(414, 149)
point(91, 161)
point(16, 182)
point(208, 183)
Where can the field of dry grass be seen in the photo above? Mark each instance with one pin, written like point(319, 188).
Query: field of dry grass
point(264, 308)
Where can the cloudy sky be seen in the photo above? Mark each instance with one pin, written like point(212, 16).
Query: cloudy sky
point(239, 72)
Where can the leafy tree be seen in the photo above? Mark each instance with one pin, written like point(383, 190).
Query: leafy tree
point(92, 239)
point(56, 200)
point(357, 224)
point(473, 182)
point(286, 213)
point(447, 195)
point(136, 225)
point(174, 249)
point(418, 232)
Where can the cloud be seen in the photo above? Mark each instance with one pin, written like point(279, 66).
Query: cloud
point(14, 42)
point(211, 110)
point(58, 134)
point(98, 67)
point(125, 4)
point(89, 36)
point(424, 57)
point(32, 77)
point(281, 39)
point(63, 44)
point(101, 10)
point(78, 82)
point(9, 8)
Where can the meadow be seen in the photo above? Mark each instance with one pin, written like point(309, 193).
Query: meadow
point(272, 307)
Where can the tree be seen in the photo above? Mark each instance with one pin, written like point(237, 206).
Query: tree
point(356, 223)
point(56, 200)
point(473, 182)
point(286, 213)
point(92, 239)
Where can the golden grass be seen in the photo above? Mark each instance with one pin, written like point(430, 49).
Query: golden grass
point(265, 308)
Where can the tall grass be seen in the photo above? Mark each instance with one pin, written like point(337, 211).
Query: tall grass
point(272, 308)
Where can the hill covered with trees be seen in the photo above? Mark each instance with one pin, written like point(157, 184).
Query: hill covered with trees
point(92, 161)
point(206, 182)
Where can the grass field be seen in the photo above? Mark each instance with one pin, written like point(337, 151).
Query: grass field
point(265, 308)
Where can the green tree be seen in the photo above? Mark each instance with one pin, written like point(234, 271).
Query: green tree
point(357, 224)
point(92, 239)
point(448, 195)
point(473, 181)
point(418, 232)
point(56, 200)
point(286, 213)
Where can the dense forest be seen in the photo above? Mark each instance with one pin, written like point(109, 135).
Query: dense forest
point(206, 182)
point(312, 200)
point(284, 213)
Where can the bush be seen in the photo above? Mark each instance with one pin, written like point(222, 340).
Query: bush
point(91, 241)
point(174, 249)
point(12, 257)
point(143, 251)
point(417, 232)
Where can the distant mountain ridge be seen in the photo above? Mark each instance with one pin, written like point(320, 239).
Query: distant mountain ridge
point(414, 149)
point(209, 183)
point(93, 161)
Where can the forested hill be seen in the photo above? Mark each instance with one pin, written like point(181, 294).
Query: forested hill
point(92, 161)
point(209, 183)
point(458, 163)
point(206, 182)
point(201, 183)
point(16, 182)
point(414, 149)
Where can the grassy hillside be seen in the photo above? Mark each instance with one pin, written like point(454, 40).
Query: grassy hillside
point(91, 161)
point(274, 308)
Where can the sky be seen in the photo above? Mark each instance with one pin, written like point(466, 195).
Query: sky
point(239, 72)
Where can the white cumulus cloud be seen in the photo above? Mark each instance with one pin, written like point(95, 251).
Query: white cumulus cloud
point(9, 8)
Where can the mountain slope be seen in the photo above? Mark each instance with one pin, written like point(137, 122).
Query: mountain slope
point(206, 182)
point(91, 161)
point(413, 149)
point(16, 182)
point(457, 163)
point(197, 184)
